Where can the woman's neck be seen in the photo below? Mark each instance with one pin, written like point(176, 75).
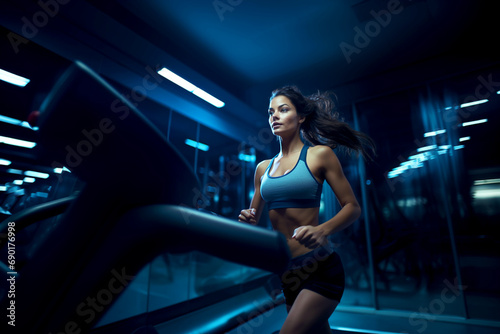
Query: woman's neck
point(290, 146)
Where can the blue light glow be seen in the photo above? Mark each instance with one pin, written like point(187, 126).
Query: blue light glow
point(166, 73)
point(195, 144)
point(60, 170)
point(4, 162)
point(13, 121)
point(426, 148)
point(13, 79)
point(479, 121)
point(29, 179)
point(464, 139)
point(473, 103)
point(36, 174)
point(434, 133)
point(247, 157)
point(209, 98)
point(458, 147)
point(17, 142)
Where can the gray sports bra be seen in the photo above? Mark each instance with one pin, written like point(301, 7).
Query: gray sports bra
point(296, 189)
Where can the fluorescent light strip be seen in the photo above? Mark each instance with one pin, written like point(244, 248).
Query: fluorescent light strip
point(9, 120)
point(464, 139)
point(13, 79)
point(458, 147)
point(426, 148)
point(487, 181)
point(486, 193)
point(479, 121)
point(473, 103)
point(36, 174)
point(18, 182)
point(166, 73)
point(4, 162)
point(195, 144)
point(434, 133)
point(29, 179)
point(17, 142)
point(3, 188)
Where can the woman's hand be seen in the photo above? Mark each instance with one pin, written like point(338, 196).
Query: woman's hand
point(248, 216)
point(310, 236)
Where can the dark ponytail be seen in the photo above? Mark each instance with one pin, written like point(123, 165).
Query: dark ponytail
point(322, 125)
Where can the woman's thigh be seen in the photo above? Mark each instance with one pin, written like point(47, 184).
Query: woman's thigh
point(309, 314)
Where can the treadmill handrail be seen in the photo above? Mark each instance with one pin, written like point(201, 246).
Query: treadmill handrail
point(36, 213)
point(181, 229)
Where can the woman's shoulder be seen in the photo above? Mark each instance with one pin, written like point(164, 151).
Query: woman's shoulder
point(324, 156)
point(262, 166)
point(321, 151)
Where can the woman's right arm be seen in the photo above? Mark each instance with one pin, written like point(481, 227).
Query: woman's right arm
point(252, 215)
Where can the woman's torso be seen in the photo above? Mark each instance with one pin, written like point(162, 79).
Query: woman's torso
point(287, 171)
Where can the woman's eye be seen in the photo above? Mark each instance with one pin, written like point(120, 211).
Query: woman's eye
point(284, 110)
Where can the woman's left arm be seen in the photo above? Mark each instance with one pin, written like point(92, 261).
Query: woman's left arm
point(335, 177)
point(313, 236)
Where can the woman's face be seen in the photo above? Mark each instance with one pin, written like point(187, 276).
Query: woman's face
point(283, 117)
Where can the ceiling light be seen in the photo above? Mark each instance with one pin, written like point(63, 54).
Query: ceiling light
point(426, 148)
point(479, 121)
point(4, 162)
point(166, 73)
point(9, 120)
point(487, 181)
point(13, 78)
point(17, 142)
point(473, 103)
point(464, 139)
point(195, 144)
point(36, 174)
point(29, 179)
point(434, 133)
point(486, 193)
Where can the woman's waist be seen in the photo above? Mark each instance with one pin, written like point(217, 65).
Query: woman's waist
point(311, 256)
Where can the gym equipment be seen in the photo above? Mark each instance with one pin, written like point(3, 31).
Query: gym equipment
point(136, 204)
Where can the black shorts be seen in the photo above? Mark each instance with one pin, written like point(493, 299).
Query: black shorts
point(317, 271)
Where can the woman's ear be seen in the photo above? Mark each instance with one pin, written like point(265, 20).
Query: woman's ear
point(302, 119)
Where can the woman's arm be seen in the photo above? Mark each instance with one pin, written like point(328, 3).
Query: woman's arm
point(335, 177)
point(252, 215)
point(313, 236)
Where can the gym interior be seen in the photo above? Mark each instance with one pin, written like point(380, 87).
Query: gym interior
point(130, 132)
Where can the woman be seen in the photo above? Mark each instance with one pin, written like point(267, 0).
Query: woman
point(291, 185)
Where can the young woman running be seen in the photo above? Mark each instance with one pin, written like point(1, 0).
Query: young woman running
point(291, 185)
